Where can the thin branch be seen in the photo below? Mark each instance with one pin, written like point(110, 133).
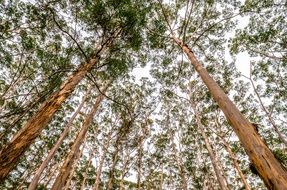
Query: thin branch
point(64, 31)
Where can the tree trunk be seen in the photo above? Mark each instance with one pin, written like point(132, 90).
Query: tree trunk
point(12, 151)
point(161, 178)
point(102, 158)
point(71, 173)
point(281, 137)
point(232, 156)
point(236, 165)
point(67, 166)
point(122, 134)
point(86, 171)
point(214, 161)
point(139, 162)
point(34, 182)
point(112, 170)
point(124, 172)
point(269, 168)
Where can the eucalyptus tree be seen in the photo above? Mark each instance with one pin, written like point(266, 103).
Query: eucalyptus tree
point(116, 25)
point(264, 38)
point(214, 21)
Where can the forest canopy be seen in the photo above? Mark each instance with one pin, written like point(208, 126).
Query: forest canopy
point(143, 94)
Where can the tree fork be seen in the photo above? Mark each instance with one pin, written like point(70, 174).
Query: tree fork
point(269, 168)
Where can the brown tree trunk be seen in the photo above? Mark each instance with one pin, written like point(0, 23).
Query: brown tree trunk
point(269, 168)
point(102, 159)
point(67, 166)
point(214, 161)
point(34, 182)
point(12, 151)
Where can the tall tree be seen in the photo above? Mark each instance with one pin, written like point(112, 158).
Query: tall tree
point(269, 168)
point(67, 166)
point(122, 22)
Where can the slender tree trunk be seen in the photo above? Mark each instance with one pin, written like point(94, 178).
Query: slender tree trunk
point(124, 172)
point(34, 182)
point(112, 170)
point(12, 151)
point(139, 164)
point(269, 168)
point(161, 178)
point(233, 157)
point(71, 173)
point(67, 166)
point(214, 161)
point(281, 137)
point(180, 168)
point(86, 170)
point(122, 134)
point(102, 159)
point(50, 174)
point(236, 165)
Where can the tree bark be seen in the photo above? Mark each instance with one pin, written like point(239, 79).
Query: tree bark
point(281, 137)
point(122, 134)
point(102, 158)
point(214, 161)
point(34, 182)
point(124, 171)
point(67, 166)
point(71, 173)
point(269, 168)
point(236, 165)
point(12, 151)
point(86, 171)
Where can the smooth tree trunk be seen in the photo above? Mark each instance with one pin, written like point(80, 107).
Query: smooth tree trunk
point(12, 151)
point(161, 178)
point(271, 171)
point(268, 114)
point(112, 170)
point(86, 170)
point(122, 134)
point(180, 167)
point(101, 162)
point(67, 166)
point(34, 182)
point(233, 157)
point(139, 162)
point(236, 165)
point(124, 170)
point(213, 158)
point(71, 174)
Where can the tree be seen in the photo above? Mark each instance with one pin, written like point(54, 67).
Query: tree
point(120, 23)
point(268, 167)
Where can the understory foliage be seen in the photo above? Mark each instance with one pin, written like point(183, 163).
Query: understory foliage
point(145, 134)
